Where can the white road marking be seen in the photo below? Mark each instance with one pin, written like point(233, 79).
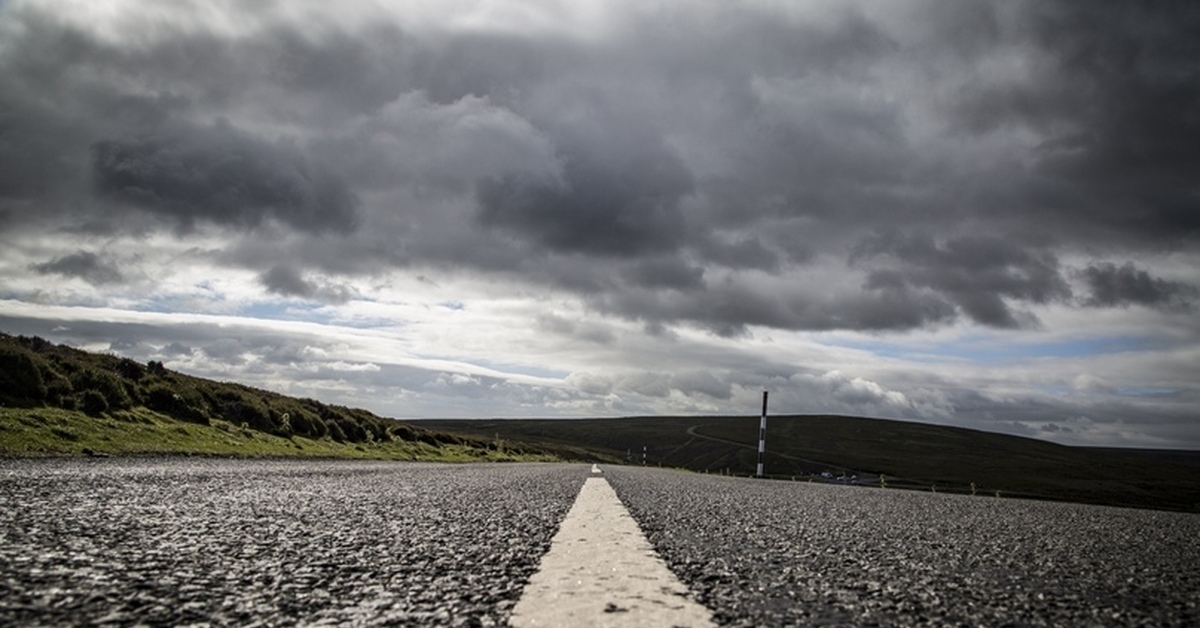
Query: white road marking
point(601, 571)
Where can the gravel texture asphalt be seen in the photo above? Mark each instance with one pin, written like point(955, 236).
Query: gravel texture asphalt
point(228, 542)
point(773, 553)
point(221, 542)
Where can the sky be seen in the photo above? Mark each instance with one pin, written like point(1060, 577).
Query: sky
point(983, 214)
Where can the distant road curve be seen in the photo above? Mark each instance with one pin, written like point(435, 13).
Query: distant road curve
point(691, 431)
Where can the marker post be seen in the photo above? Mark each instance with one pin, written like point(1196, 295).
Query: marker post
point(762, 436)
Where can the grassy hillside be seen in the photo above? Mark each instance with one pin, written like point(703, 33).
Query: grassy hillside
point(53, 431)
point(56, 399)
point(906, 455)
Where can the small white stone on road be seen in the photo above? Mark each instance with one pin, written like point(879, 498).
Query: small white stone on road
point(601, 571)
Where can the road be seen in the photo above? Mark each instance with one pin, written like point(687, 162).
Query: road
point(172, 542)
point(169, 542)
point(771, 553)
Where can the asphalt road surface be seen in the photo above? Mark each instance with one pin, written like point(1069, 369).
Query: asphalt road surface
point(171, 542)
point(176, 542)
point(766, 553)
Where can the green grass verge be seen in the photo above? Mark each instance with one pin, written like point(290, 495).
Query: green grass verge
point(56, 432)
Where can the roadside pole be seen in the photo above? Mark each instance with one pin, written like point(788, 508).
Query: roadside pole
point(762, 436)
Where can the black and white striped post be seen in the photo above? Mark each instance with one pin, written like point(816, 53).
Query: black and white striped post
point(762, 436)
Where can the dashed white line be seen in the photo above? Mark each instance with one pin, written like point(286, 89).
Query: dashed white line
point(601, 571)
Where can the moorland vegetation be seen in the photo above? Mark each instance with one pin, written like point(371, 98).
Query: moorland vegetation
point(55, 399)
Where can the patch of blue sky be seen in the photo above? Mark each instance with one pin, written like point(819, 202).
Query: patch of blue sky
point(175, 304)
point(309, 312)
point(294, 311)
point(992, 350)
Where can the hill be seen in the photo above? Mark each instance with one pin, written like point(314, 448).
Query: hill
point(876, 452)
point(55, 399)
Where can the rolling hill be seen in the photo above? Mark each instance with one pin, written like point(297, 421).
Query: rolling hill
point(874, 452)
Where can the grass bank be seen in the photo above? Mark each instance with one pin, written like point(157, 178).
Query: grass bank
point(139, 431)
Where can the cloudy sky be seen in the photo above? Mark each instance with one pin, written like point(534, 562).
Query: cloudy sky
point(983, 214)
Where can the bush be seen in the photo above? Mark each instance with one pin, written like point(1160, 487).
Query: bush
point(131, 370)
point(403, 432)
point(184, 404)
point(59, 392)
point(107, 384)
point(93, 402)
point(20, 378)
point(246, 409)
point(335, 432)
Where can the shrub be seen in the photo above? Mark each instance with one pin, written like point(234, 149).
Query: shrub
point(184, 404)
point(402, 432)
point(108, 385)
point(244, 408)
point(59, 392)
point(335, 432)
point(93, 402)
point(20, 378)
point(131, 370)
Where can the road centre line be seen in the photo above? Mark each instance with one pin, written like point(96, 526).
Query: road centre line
point(601, 571)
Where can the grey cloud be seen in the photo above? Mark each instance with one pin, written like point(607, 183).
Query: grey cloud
point(225, 176)
point(911, 281)
point(618, 195)
point(665, 273)
point(701, 382)
point(658, 169)
point(649, 384)
point(176, 349)
point(976, 273)
point(748, 252)
point(288, 281)
point(1111, 91)
point(228, 351)
point(85, 265)
point(1118, 286)
point(728, 308)
point(586, 331)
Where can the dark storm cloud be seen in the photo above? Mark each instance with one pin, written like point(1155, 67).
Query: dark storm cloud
point(225, 176)
point(655, 167)
point(665, 273)
point(1120, 286)
point(85, 265)
point(728, 308)
point(748, 253)
point(1113, 94)
point(976, 273)
point(618, 195)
